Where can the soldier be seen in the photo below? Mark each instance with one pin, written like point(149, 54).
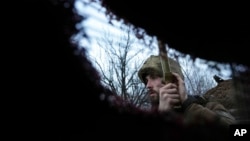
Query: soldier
point(172, 96)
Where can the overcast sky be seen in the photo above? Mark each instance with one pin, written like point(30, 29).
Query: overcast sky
point(96, 23)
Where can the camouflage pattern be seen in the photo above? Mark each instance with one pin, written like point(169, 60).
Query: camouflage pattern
point(153, 66)
point(199, 110)
point(209, 113)
point(224, 94)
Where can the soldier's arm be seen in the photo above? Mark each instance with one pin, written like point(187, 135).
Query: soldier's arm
point(197, 112)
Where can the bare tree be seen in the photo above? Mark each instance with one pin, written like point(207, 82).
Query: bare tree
point(198, 79)
point(119, 65)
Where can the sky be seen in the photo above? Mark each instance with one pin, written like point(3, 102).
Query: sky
point(97, 23)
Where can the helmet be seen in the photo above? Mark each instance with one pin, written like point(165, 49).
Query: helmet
point(153, 66)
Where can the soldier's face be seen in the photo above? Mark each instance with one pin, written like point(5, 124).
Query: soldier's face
point(153, 84)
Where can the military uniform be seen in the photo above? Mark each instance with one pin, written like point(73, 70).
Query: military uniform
point(196, 109)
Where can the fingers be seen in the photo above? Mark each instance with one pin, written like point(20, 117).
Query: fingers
point(166, 97)
point(181, 87)
point(169, 88)
point(179, 79)
point(168, 102)
point(169, 94)
point(169, 97)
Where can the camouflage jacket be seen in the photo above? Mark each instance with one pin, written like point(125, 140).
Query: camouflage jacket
point(198, 110)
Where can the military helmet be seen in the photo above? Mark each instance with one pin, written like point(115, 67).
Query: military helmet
point(153, 66)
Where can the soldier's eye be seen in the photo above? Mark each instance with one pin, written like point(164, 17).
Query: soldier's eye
point(153, 77)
